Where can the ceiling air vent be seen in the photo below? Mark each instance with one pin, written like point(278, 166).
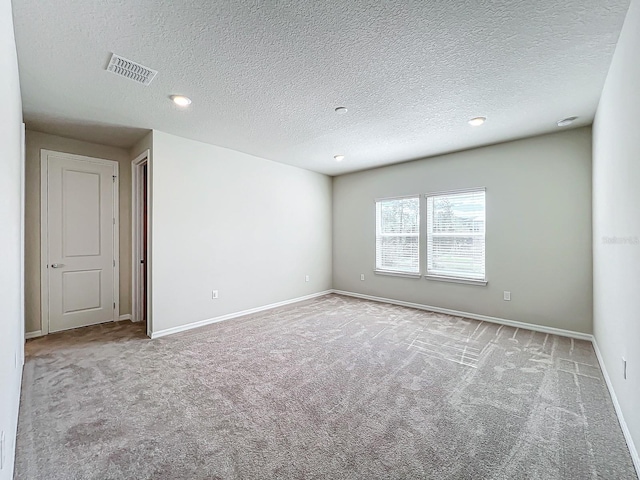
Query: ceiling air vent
point(131, 70)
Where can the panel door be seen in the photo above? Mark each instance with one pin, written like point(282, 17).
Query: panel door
point(81, 256)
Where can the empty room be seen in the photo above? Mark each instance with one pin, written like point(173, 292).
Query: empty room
point(309, 240)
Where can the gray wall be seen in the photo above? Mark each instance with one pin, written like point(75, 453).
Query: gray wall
point(37, 141)
point(11, 191)
point(616, 222)
point(145, 143)
point(227, 221)
point(538, 239)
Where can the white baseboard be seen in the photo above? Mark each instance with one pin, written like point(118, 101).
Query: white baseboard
point(126, 316)
point(485, 318)
point(623, 424)
point(202, 323)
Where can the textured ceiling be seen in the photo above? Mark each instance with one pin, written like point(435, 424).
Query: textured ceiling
point(265, 77)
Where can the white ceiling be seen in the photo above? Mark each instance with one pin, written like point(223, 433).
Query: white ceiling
point(265, 76)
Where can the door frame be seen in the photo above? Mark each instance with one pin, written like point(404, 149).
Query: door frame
point(137, 235)
point(44, 232)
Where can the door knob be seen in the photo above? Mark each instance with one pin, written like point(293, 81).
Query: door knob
point(57, 265)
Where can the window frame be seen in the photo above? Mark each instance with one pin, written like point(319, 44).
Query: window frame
point(450, 278)
point(418, 235)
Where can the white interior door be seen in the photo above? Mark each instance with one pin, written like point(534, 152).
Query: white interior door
point(81, 227)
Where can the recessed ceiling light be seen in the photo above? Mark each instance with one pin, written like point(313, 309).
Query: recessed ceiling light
point(341, 110)
point(566, 121)
point(477, 121)
point(338, 158)
point(181, 100)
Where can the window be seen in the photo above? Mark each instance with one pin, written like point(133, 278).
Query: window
point(455, 235)
point(398, 235)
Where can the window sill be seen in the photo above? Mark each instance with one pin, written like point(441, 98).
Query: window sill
point(466, 281)
point(397, 274)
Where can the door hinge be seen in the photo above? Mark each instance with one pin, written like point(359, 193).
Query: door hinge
point(114, 305)
point(114, 221)
point(114, 263)
point(114, 179)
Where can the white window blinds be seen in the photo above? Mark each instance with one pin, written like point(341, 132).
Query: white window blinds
point(456, 234)
point(398, 235)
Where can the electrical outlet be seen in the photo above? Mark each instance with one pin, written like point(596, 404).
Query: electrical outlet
point(507, 296)
point(624, 368)
point(306, 278)
point(214, 294)
point(362, 277)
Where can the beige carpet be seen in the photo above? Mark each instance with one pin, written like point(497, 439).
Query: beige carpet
point(333, 388)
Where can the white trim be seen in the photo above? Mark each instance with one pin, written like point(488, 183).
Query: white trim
point(455, 192)
point(23, 195)
point(44, 232)
point(116, 240)
point(44, 242)
point(467, 281)
point(401, 197)
point(397, 274)
point(202, 323)
point(623, 424)
point(485, 318)
point(136, 238)
point(126, 316)
point(37, 333)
